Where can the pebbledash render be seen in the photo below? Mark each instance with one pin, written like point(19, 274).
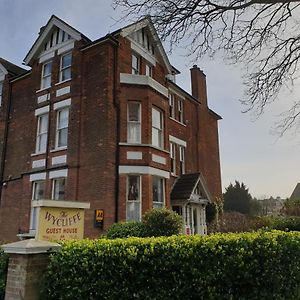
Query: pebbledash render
point(104, 122)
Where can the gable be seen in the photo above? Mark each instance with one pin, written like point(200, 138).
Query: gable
point(145, 41)
point(56, 34)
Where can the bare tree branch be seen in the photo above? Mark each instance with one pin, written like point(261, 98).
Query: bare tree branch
point(263, 34)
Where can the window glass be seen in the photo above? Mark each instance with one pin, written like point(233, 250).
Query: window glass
point(180, 110)
point(66, 62)
point(173, 158)
point(62, 127)
point(133, 210)
point(171, 105)
point(58, 192)
point(38, 193)
point(157, 129)
point(134, 123)
point(135, 64)
point(157, 192)
point(46, 75)
point(182, 159)
point(42, 133)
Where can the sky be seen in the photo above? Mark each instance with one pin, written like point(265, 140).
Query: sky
point(249, 150)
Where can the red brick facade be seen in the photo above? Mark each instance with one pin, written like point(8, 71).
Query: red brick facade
point(98, 158)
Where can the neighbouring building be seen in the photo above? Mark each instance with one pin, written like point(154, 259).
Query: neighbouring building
point(104, 122)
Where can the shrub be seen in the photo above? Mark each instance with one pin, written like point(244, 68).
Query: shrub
point(285, 223)
point(162, 222)
point(126, 229)
point(3, 272)
point(260, 265)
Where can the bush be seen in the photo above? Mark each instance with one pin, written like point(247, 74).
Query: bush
point(284, 223)
point(3, 272)
point(126, 229)
point(162, 222)
point(260, 265)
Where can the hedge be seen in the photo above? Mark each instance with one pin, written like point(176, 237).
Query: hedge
point(3, 272)
point(261, 265)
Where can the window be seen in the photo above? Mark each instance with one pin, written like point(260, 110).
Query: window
point(173, 158)
point(133, 210)
point(46, 75)
point(58, 189)
point(135, 64)
point(62, 127)
point(149, 70)
point(65, 67)
point(1, 92)
point(180, 110)
point(42, 133)
point(171, 105)
point(182, 159)
point(134, 122)
point(157, 128)
point(158, 192)
point(38, 193)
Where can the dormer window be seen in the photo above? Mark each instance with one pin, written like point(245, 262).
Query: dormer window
point(46, 75)
point(1, 92)
point(65, 67)
point(135, 64)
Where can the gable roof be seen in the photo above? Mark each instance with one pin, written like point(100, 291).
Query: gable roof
point(10, 68)
point(45, 32)
point(186, 184)
point(147, 22)
point(296, 192)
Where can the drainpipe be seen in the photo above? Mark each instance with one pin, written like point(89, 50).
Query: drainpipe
point(117, 109)
point(5, 138)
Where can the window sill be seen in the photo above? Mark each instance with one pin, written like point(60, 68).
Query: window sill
point(43, 90)
point(58, 149)
point(25, 236)
point(61, 82)
point(143, 145)
point(38, 153)
point(177, 121)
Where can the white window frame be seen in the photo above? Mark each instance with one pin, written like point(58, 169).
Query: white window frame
point(160, 131)
point(149, 70)
point(138, 124)
point(172, 105)
point(59, 129)
point(54, 180)
point(180, 111)
point(39, 134)
point(135, 69)
point(173, 158)
point(45, 77)
point(63, 69)
point(34, 210)
point(1, 92)
point(182, 159)
point(139, 200)
point(159, 204)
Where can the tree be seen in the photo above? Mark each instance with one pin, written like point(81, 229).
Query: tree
point(237, 198)
point(262, 33)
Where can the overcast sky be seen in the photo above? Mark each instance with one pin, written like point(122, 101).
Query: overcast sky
point(249, 152)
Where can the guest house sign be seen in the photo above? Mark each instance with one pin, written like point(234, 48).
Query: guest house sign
point(60, 220)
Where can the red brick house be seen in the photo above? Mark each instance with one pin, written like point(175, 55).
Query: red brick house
point(104, 122)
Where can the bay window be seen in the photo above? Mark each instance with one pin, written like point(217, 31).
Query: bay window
point(133, 206)
point(134, 122)
point(157, 128)
point(158, 190)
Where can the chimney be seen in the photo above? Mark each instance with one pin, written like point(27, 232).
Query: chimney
point(198, 83)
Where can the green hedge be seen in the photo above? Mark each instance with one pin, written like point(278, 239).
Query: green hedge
point(261, 265)
point(3, 272)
